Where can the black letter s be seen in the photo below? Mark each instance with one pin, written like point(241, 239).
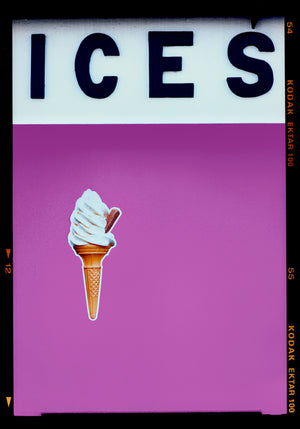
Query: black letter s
point(261, 68)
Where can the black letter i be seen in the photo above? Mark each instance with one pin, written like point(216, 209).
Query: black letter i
point(37, 80)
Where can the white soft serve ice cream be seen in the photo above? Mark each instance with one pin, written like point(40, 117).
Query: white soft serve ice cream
point(88, 221)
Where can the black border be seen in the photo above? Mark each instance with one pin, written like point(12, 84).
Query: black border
point(6, 284)
point(291, 206)
point(6, 280)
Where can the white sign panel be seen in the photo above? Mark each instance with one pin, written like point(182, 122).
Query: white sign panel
point(197, 70)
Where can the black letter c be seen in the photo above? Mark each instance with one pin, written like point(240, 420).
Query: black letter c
point(108, 84)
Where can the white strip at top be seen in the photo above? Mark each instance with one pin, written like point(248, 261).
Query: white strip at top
point(196, 70)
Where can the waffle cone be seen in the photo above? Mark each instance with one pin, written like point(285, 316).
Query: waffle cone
point(92, 256)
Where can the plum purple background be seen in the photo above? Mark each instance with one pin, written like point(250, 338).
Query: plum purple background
point(192, 309)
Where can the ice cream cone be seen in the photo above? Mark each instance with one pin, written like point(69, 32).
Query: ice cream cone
point(92, 256)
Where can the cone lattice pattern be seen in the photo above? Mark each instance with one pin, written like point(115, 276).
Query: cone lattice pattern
point(92, 256)
point(92, 276)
